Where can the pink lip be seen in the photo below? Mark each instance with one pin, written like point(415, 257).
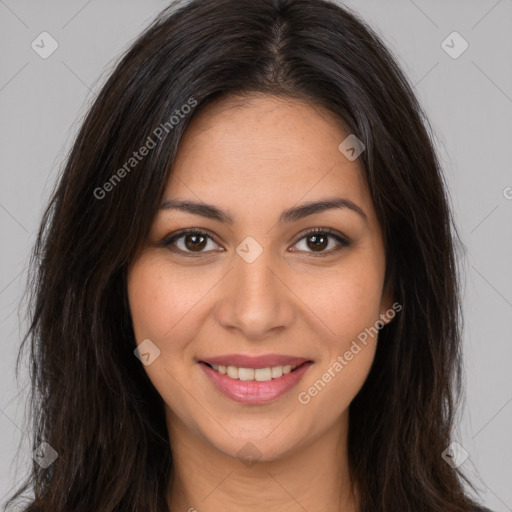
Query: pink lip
point(255, 392)
point(265, 361)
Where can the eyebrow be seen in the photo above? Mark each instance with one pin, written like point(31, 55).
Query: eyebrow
point(287, 216)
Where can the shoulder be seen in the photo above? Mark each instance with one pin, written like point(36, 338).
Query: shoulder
point(481, 509)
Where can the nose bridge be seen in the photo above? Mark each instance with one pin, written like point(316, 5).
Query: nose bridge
point(254, 279)
point(252, 265)
point(256, 301)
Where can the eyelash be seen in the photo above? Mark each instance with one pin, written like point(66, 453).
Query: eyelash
point(173, 237)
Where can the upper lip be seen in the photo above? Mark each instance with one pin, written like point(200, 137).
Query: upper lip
point(264, 361)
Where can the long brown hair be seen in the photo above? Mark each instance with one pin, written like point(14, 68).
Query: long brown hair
point(91, 400)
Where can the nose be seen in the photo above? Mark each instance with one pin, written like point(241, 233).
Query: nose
point(256, 300)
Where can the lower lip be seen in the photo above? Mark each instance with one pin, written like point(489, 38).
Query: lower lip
point(253, 391)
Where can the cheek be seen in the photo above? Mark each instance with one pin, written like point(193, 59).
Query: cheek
point(163, 302)
point(345, 300)
point(340, 375)
point(165, 308)
point(347, 304)
point(148, 294)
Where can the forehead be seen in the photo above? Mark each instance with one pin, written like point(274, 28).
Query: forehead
point(263, 150)
point(265, 125)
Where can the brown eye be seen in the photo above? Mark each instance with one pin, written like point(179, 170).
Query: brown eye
point(318, 240)
point(193, 242)
point(189, 241)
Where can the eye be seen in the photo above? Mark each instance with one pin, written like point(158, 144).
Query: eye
point(318, 240)
point(190, 241)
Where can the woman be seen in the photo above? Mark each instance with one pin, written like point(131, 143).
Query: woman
point(246, 293)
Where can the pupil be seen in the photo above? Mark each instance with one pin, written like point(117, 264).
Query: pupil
point(194, 244)
point(316, 243)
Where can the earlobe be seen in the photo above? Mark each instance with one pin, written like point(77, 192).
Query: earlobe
point(388, 307)
point(387, 315)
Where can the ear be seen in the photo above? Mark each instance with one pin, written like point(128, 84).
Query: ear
point(388, 307)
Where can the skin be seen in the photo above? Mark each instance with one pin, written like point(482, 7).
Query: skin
point(254, 158)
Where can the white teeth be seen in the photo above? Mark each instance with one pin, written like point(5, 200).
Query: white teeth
point(232, 372)
point(263, 374)
point(277, 371)
point(258, 374)
point(246, 373)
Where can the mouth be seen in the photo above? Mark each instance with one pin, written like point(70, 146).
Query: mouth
point(254, 386)
point(265, 374)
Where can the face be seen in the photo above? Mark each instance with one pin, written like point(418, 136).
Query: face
point(261, 284)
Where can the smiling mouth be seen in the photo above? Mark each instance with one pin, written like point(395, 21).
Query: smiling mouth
point(254, 374)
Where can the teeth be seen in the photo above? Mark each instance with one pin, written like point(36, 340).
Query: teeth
point(263, 374)
point(258, 374)
point(232, 372)
point(246, 373)
point(277, 371)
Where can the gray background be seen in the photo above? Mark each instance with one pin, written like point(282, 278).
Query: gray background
point(468, 101)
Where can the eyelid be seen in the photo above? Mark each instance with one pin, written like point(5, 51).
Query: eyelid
point(324, 230)
point(168, 240)
point(343, 242)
